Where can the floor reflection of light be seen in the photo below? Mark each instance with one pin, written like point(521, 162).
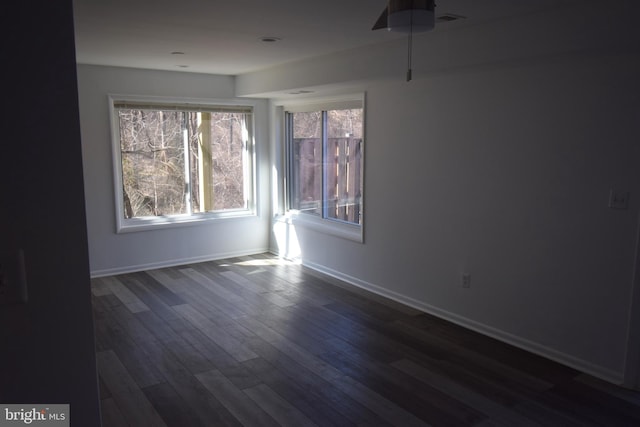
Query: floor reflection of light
point(265, 262)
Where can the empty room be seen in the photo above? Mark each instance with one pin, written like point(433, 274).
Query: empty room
point(373, 212)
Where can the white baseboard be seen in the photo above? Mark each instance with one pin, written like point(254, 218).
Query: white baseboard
point(523, 343)
point(173, 263)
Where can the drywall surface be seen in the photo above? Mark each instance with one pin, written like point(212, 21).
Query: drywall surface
point(47, 351)
point(571, 27)
point(497, 160)
point(504, 172)
point(112, 253)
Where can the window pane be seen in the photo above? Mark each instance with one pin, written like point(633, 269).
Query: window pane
point(306, 162)
point(344, 165)
point(152, 150)
point(344, 123)
point(219, 161)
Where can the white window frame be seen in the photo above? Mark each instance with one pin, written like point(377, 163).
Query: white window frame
point(125, 225)
point(322, 224)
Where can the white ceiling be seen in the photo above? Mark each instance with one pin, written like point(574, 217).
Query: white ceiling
point(223, 37)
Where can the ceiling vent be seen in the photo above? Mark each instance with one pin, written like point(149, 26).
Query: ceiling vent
point(448, 17)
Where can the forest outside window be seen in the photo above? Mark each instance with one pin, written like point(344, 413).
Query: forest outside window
point(179, 162)
point(325, 162)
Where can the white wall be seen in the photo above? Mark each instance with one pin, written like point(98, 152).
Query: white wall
point(111, 253)
point(505, 174)
point(498, 160)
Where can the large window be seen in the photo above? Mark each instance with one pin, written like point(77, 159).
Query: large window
point(325, 163)
point(181, 162)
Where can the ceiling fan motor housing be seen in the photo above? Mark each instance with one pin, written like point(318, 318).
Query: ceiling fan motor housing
point(411, 15)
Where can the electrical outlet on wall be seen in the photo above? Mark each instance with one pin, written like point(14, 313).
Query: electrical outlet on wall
point(13, 283)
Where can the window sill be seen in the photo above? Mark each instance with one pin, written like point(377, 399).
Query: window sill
point(331, 227)
point(158, 223)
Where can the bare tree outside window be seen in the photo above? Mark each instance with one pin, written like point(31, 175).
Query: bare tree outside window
point(183, 162)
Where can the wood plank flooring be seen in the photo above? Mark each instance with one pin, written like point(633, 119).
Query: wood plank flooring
point(257, 341)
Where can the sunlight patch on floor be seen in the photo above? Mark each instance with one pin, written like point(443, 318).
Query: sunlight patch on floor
point(263, 262)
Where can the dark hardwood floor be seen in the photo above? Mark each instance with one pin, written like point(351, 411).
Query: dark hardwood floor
point(257, 341)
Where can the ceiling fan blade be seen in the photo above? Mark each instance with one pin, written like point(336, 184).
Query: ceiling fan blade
point(382, 20)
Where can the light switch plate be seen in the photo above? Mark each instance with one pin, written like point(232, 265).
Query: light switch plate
point(618, 199)
point(465, 279)
point(13, 280)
